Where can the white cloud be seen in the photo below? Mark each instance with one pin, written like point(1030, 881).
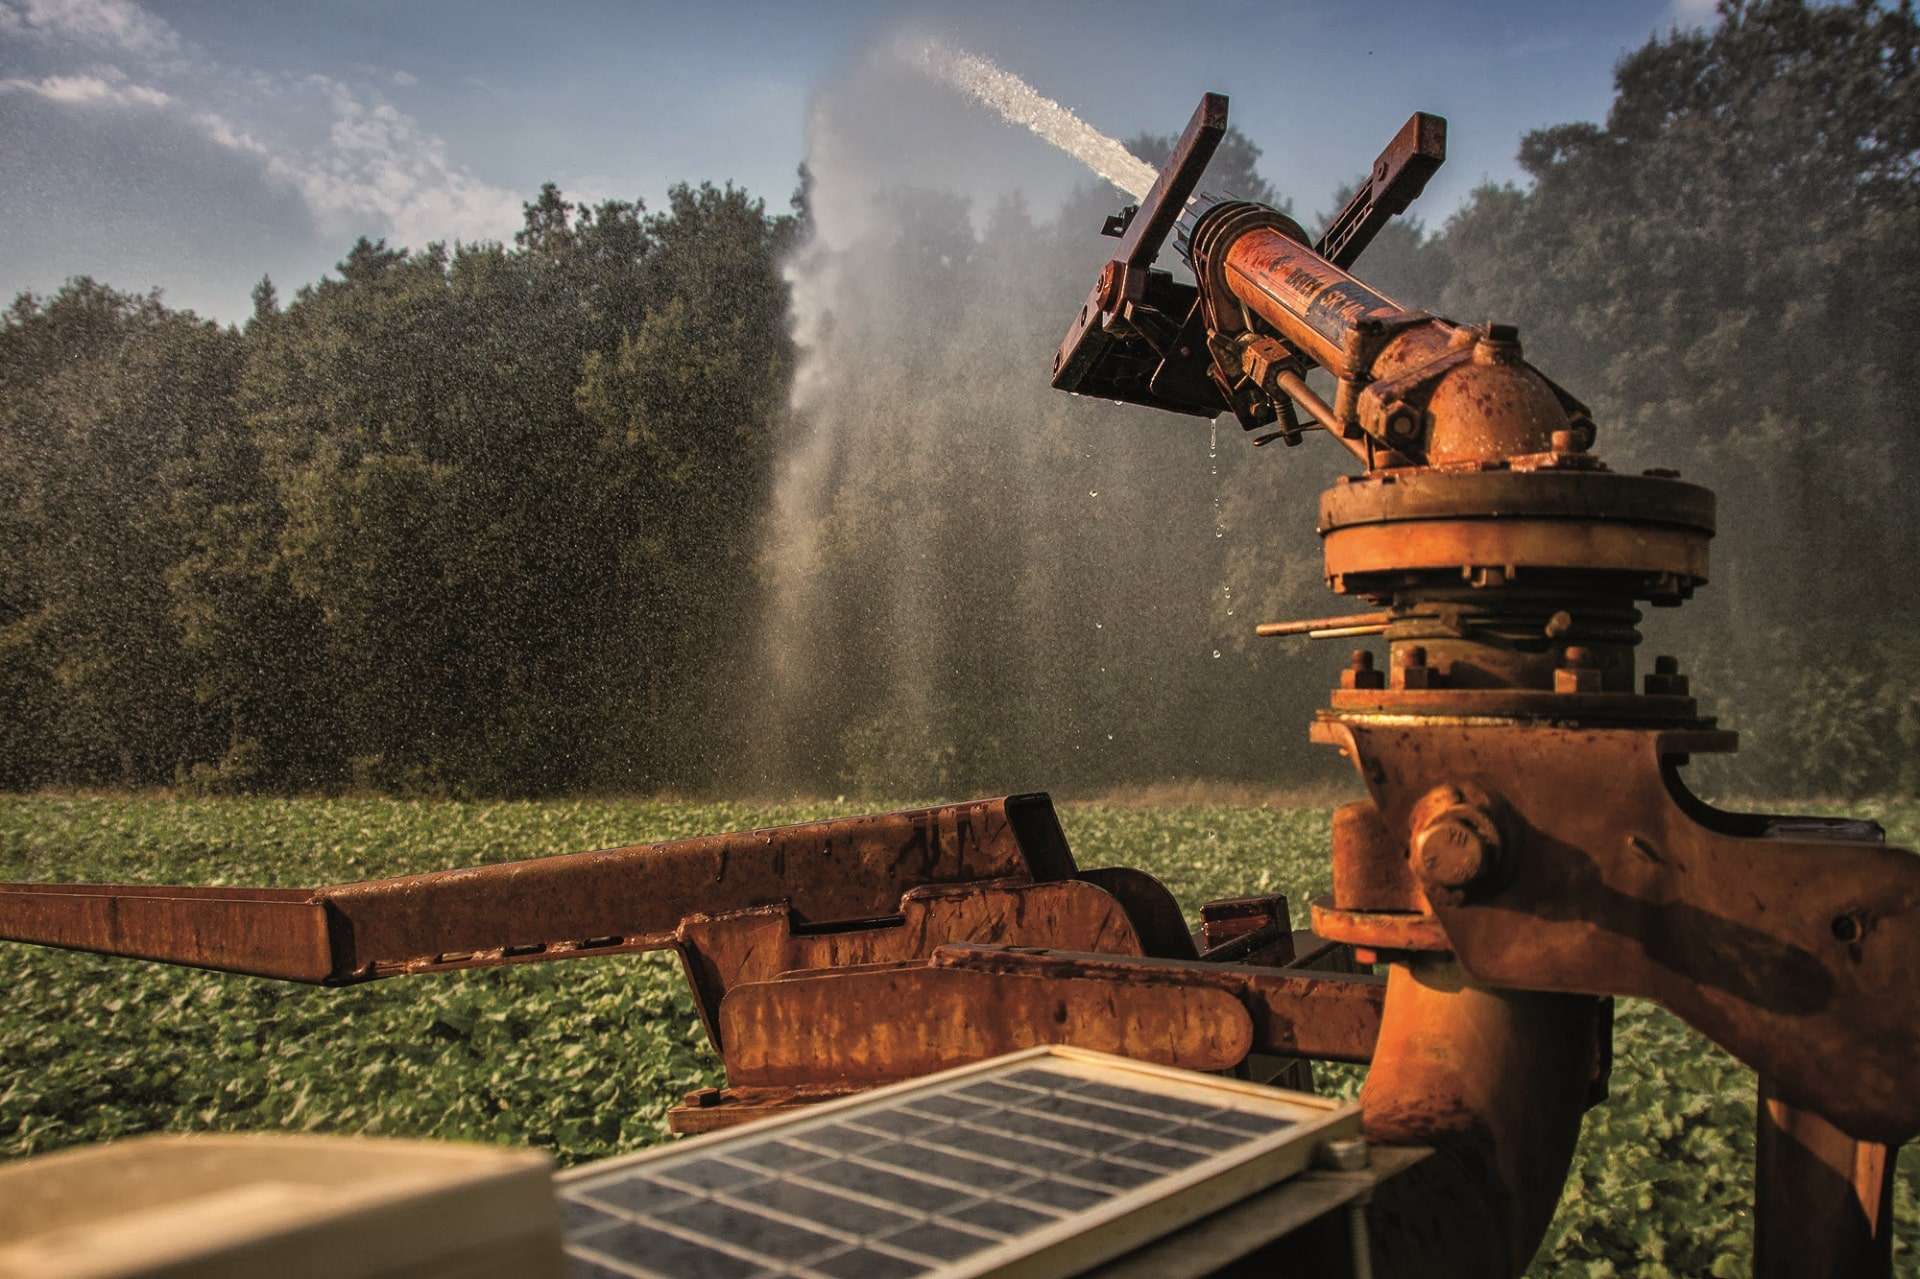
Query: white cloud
point(377, 165)
point(116, 24)
point(224, 132)
point(360, 164)
point(89, 90)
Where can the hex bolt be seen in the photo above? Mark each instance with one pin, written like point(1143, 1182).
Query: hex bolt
point(1402, 421)
point(1577, 674)
point(1665, 680)
point(1360, 673)
point(1410, 669)
point(1452, 854)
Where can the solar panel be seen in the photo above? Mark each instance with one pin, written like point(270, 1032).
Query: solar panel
point(1042, 1158)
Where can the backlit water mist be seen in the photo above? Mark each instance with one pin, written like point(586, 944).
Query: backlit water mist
point(973, 581)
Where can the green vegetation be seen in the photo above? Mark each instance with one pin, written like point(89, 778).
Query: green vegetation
point(583, 1058)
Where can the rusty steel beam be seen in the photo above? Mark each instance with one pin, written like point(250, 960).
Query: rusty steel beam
point(269, 932)
point(1823, 1201)
point(1296, 1012)
point(885, 1022)
point(721, 952)
point(595, 903)
point(873, 1025)
point(1496, 1082)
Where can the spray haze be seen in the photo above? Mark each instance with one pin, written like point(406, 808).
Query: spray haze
point(974, 581)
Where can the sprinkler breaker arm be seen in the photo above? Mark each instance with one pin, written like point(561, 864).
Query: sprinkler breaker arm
point(823, 958)
point(1144, 338)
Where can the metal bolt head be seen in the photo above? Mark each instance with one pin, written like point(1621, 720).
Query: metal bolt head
point(1666, 665)
point(1456, 850)
point(1360, 674)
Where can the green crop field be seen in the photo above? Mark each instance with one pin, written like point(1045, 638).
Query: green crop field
point(583, 1058)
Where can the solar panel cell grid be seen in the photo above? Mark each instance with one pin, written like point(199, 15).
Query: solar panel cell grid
point(930, 1182)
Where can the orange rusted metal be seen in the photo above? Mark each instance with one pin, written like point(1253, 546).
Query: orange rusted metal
point(612, 901)
point(1777, 939)
point(720, 952)
point(1823, 1200)
point(269, 932)
point(1525, 812)
point(877, 1024)
point(1496, 1083)
point(1297, 1011)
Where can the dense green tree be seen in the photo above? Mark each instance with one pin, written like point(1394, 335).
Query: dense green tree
point(114, 417)
point(1729, 270)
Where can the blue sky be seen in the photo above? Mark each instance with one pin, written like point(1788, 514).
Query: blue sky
point(197, 144)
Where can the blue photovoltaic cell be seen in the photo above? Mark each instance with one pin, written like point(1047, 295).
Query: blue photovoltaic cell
point(897, 1189)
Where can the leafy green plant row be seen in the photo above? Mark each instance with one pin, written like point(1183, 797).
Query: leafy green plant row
point(584, 1058)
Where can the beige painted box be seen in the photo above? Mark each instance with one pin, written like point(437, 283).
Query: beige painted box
point(278, 1205)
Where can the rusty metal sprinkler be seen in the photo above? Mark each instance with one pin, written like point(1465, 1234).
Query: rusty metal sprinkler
point(1526, 828)
point(1526, 850)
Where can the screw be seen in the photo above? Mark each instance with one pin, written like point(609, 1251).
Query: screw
point(1666, 666)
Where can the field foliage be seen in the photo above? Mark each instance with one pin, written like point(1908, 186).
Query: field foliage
point(584, 1058)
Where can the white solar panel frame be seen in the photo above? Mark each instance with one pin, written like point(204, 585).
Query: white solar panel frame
point(1125, 1221)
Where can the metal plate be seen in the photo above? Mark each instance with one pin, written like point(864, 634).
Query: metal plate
point(1042, 1159)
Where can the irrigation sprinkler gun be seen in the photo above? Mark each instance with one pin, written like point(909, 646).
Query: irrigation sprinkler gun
point(1526, 850)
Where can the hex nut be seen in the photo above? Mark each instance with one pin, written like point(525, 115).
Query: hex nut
point(1346, 1154)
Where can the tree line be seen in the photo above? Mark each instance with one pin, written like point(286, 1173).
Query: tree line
point(465, 518)
point(510, 519)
